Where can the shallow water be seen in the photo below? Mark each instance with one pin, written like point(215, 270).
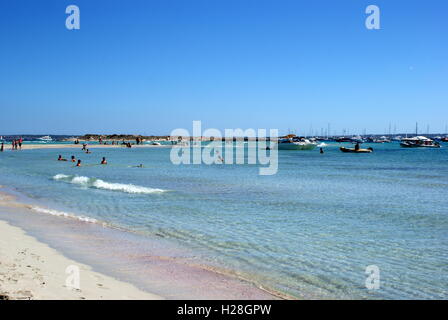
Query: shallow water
point(309, 231)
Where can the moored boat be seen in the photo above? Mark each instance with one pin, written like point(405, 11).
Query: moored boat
point(382, 139)
point(295, 143)
point(344, 139)
point(354, 150)
point(419, 142)
point(45, 138)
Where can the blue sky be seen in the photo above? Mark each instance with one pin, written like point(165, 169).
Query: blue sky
point(152, 66)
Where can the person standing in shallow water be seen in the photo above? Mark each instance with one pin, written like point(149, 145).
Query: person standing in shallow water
point(104, 161)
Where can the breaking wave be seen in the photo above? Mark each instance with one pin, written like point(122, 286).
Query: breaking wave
point(104, 185)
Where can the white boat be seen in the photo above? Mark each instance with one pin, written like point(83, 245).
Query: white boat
point(419, 142)
point(45, 138)
point(295, 143)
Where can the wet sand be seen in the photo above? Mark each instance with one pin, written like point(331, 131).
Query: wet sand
point(31, 270)
point(129, 266)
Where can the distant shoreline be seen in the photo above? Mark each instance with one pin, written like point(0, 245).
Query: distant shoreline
point(90, 146)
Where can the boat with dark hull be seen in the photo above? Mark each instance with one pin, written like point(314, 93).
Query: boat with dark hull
point(354, 150)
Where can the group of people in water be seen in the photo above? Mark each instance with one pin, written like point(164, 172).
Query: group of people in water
point(78, 162)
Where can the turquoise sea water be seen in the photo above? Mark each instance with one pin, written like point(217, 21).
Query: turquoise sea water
point(309, 231)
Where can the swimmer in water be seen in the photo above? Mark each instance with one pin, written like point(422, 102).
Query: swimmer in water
point(61, 159)
point(104, 161)
point(79, 163)
point(321, 150)
point(73, 159)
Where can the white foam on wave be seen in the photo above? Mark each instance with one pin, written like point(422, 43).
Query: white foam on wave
point(60, 176)
point(104, 185)
point(322, 144)
point(63, 214)
point(129, 188)
point(80, 180)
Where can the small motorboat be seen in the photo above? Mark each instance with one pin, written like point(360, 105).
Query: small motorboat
point(293, 142)
point(45, 138)
point(353, 150)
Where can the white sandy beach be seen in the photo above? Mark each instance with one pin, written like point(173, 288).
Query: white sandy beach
point(30, 269)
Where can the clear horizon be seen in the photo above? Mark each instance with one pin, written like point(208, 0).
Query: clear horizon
point(154, 66)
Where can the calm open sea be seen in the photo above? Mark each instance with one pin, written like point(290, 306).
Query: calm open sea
point(308, 231)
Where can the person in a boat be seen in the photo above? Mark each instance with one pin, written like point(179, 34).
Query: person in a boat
point(61, 159)
point(79, 163)
point(104, 161)
point(357, 146)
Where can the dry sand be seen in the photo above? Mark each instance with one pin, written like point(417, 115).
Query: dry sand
point(30, 269)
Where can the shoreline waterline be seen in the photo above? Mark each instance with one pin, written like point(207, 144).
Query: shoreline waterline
point(71, 233)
